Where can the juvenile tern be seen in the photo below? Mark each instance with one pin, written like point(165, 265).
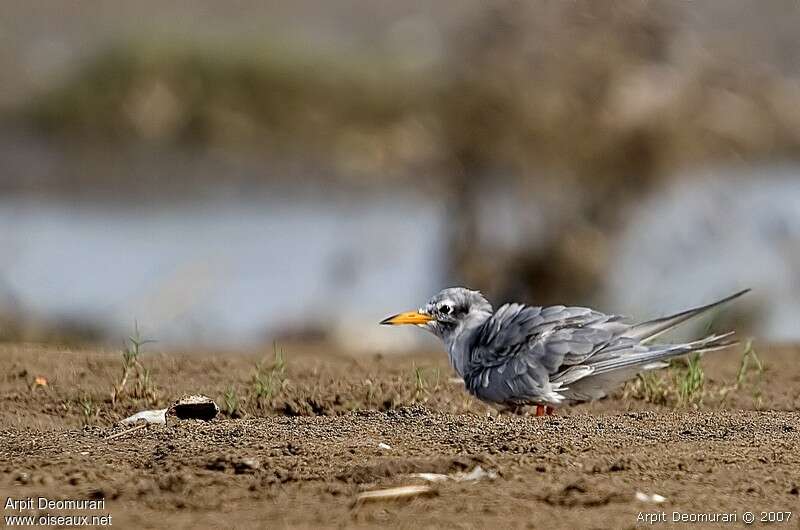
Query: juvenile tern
point(548, 356)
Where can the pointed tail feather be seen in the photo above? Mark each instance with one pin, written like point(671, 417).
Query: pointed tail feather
point(647, 331)
point(648, 360)
point(596, 380)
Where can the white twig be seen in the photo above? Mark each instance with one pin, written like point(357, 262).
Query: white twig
point(117, 435)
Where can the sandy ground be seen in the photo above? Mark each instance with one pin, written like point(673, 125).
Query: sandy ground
point(300, 456)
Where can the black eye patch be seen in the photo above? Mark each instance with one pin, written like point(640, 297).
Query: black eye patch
point(445, 309)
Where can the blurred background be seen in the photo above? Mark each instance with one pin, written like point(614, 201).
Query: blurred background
point(232, 173)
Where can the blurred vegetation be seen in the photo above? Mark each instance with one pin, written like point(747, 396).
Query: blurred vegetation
point(590, 90)
point(589, 106)
point(344, 112)
point(584, 105)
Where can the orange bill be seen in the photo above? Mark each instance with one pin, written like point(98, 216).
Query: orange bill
point(411, 317)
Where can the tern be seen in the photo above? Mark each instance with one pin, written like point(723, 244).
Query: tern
point(523, 355)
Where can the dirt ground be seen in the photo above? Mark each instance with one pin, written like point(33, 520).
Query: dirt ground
point(298, 441)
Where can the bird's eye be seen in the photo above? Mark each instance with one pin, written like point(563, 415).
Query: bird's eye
point(445, 309)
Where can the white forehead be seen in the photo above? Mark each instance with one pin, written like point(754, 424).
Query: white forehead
point(452, 295)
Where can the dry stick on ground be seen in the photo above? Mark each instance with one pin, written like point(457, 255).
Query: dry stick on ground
point(401, 492)
point(126, 431)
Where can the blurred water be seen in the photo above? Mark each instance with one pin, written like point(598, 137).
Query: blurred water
point(235, 272)
point(226, 273)
point(708, 234)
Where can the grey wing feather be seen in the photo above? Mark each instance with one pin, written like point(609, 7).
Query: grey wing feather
point(551, 354)
point(519, 348)
point(548, 334)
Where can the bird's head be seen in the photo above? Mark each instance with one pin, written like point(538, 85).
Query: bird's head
point(448, 312)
